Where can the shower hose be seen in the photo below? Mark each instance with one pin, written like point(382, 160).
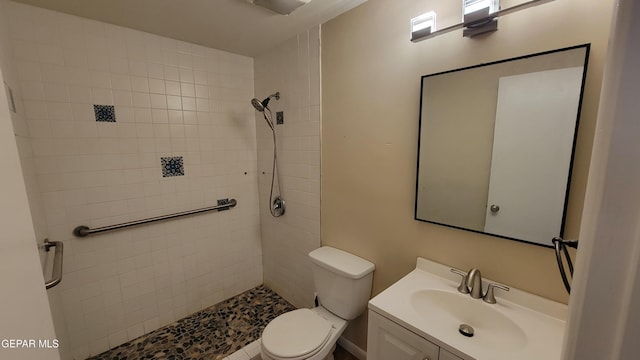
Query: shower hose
point(276, 205)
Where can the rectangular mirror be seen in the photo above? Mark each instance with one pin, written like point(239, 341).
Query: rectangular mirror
point(496, 145)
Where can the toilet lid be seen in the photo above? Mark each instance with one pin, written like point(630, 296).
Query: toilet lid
point(295, 334)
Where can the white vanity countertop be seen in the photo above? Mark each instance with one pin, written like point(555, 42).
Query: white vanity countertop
point(529, 327)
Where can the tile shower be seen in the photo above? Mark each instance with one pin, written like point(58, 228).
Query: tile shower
point(212, 334)
point(114, 125)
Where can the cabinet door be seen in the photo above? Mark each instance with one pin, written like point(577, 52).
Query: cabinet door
point(389, 341)
point(445, 355)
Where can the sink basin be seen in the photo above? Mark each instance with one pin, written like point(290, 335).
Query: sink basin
point(491, 327)
point(519, 326)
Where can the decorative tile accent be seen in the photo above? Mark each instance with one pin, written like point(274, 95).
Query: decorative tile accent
point(211, 334)
point(172, 166)
point(105, 113)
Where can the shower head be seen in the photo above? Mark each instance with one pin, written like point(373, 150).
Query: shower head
point(257, 104)
point(261, 105)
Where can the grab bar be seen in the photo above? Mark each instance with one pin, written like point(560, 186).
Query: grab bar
point(56, 273)
point(82, 230)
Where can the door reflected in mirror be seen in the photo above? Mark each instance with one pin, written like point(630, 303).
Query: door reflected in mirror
point(496, 145)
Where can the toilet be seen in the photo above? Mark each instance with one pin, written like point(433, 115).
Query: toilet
point(343, 285)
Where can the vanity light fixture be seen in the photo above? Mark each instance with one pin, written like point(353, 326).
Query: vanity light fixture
point(423, 25)
point(474, 10)
point(478, 17)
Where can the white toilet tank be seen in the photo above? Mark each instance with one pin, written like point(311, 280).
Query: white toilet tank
point(342, 281)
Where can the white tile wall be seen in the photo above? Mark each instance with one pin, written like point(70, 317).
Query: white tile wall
point(292, 68)
point(171, 98)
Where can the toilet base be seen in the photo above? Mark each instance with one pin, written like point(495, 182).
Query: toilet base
point(329, 356)
point(338, 325)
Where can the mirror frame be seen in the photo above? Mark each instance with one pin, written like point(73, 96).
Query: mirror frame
point(587, 48)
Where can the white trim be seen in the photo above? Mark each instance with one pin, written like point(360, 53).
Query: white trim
point(602, 319)
point(352, 348)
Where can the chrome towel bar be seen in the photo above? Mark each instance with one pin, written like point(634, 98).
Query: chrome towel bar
point(56, 273)
point(82, 230)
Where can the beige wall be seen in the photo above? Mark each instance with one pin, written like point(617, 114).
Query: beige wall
point(371, 85)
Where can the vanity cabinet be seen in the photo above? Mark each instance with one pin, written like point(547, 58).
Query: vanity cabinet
point(445, 355)
point(388, 340)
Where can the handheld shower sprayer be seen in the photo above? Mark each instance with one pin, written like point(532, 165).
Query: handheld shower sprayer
point(264, 104)
point(276, 204)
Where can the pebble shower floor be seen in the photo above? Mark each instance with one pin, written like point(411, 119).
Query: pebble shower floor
point(211, 334)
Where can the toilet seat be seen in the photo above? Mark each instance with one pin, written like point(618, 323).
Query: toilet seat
point(295, 335)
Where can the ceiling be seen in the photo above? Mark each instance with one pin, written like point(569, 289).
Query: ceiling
point(236, 26)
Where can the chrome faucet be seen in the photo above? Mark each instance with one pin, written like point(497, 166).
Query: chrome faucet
point(474, 283)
